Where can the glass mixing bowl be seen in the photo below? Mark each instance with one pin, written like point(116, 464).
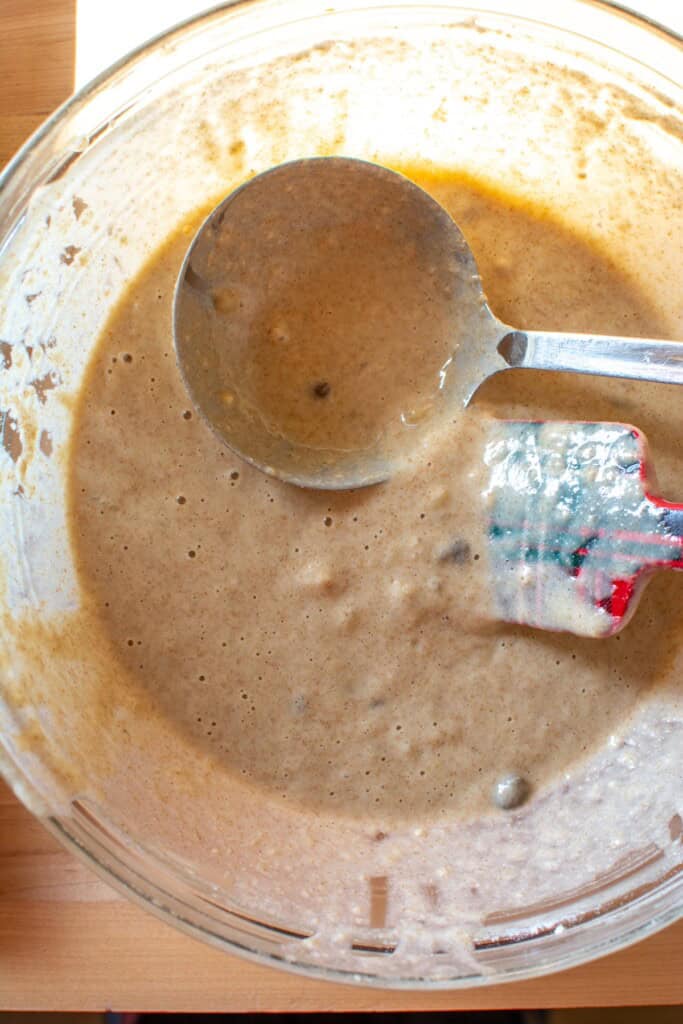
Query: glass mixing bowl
point(573, 103)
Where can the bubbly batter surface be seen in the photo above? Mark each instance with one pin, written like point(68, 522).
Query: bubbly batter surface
point(337, 648)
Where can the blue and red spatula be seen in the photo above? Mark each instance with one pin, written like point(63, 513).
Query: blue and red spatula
point(574, 528)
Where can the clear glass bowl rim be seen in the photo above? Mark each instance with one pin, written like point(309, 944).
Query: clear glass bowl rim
point(632, 921)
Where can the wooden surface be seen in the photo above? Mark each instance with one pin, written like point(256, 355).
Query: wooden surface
point(69, 942)
point(37, 51)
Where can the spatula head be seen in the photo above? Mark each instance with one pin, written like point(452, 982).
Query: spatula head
point(573, 529)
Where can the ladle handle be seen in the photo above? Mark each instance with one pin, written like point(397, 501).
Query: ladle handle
point(635, 358)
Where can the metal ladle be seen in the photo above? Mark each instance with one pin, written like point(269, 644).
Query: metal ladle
point(240, 261)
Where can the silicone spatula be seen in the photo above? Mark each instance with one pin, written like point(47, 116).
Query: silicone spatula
point(575, 530)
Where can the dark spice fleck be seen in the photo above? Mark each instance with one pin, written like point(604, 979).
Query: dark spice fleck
point(458, 552)
point(321, 389)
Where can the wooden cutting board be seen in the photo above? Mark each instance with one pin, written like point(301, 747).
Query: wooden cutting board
point(68, 941)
